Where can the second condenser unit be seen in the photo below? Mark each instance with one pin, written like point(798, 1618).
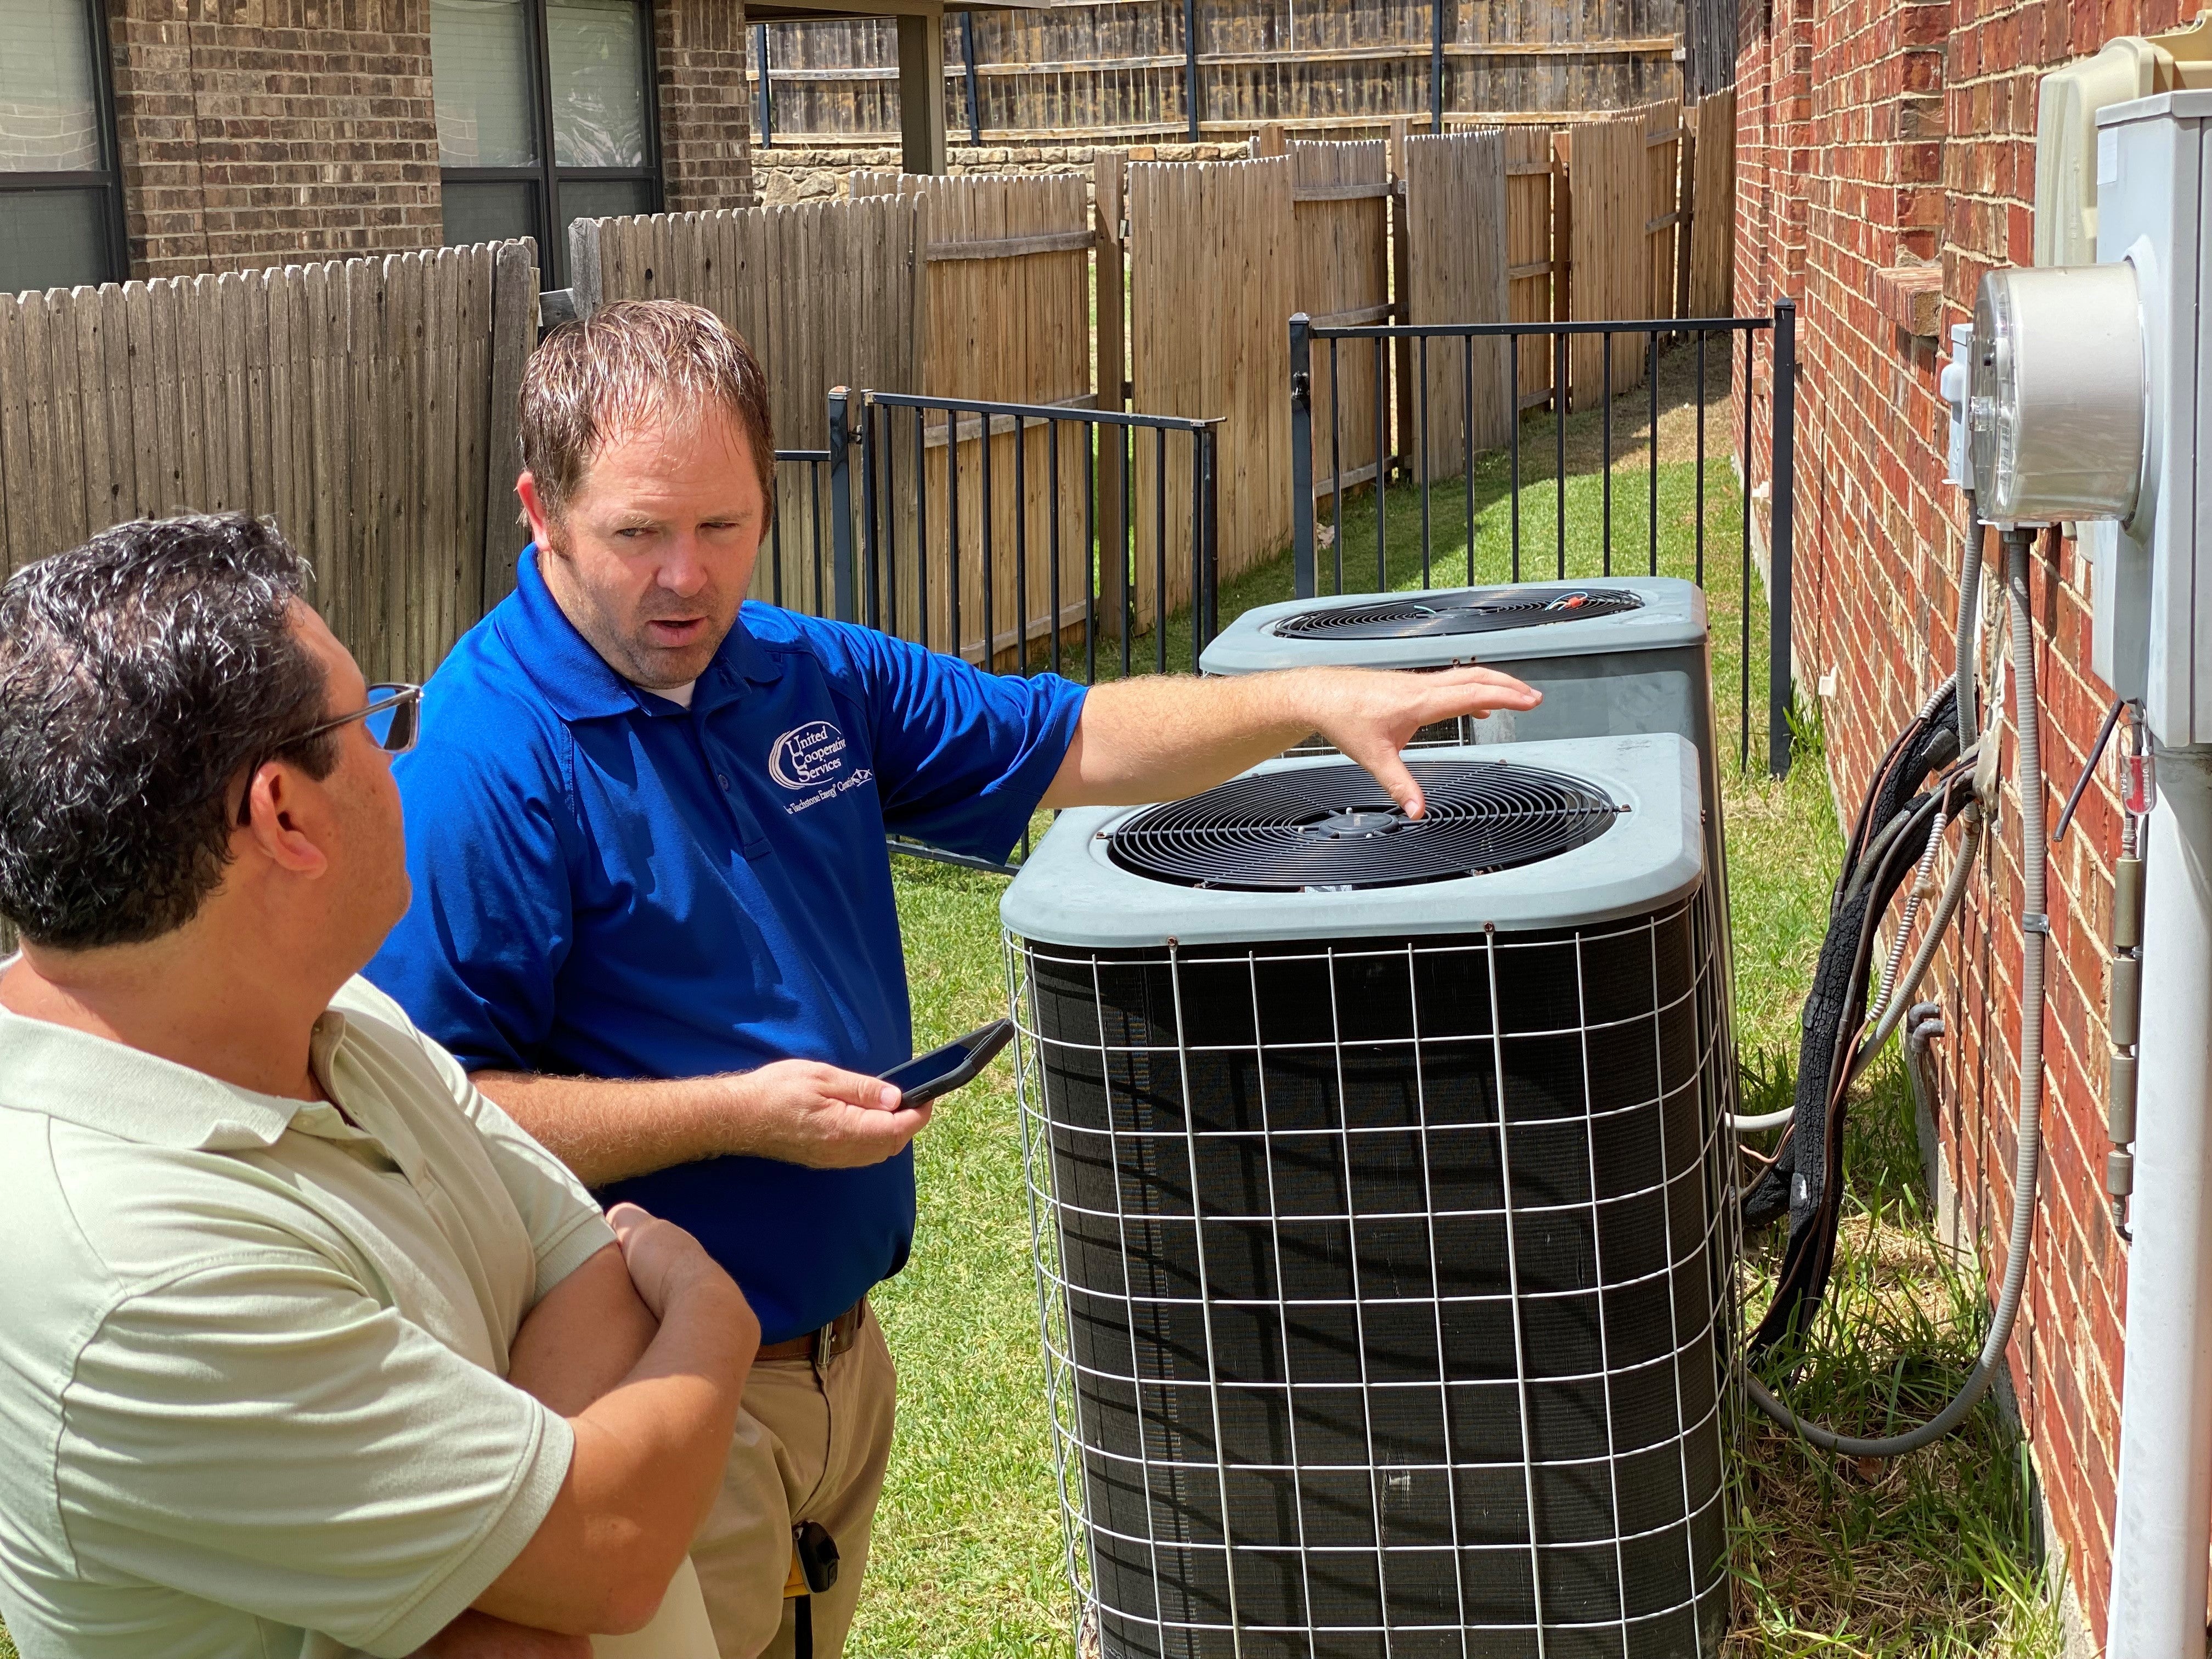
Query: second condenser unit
point(1382, 1191)
point(1615, 657)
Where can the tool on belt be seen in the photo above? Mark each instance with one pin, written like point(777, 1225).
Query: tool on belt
point(813, 1569)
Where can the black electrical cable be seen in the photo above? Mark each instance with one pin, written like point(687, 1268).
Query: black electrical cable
point(2035, 934)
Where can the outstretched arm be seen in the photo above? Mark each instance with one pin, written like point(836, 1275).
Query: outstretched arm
point(1161, 738)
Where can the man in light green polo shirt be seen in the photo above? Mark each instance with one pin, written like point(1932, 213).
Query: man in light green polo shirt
point(305, 1348)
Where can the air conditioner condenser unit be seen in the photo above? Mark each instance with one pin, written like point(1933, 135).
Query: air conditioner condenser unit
point(1384, 1214)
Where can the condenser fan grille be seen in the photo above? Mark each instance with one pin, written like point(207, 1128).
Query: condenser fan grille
point(1333, 827)
point(1488, 612)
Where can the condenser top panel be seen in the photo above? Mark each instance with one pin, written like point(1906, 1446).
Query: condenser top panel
point(1473, 624)
point(1532, 836)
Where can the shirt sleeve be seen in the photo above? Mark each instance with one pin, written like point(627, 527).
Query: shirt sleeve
point(963, 758)
point(474, 959)
point(566, 1226)
point(258, 1432)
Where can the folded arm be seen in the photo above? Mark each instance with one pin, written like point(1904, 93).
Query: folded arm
point(652, 1419)
point(1163, 738)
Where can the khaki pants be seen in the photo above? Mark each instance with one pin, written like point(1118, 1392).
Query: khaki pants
point(813, 1438)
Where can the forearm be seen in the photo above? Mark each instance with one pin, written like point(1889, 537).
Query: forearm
point(1163, 737)
point(608, 1130)
point(647, 1460)
point(800, 1111)
point(583, 1338)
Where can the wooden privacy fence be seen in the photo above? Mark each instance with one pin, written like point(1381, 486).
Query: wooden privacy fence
point(1457, 244)
point(1004, 317)
point(826, 293)
point(1709, 203)
point(1170, 294)
point(369, 405)
point(1212, 273)
point(1108, 70)
point(1340, 225)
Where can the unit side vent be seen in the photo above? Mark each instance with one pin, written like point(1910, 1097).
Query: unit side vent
point(1489, 610)
point(1332, 827)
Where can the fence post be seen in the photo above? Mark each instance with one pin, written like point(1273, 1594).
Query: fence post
point(842, 584)
point(967, 62)
point(1302, 481)
point(1113, 490)
point(1436, 66)
point(1190, 64)
point(1397, 354)
point(1210, 526)
point(1781, 536)
point(766, 122)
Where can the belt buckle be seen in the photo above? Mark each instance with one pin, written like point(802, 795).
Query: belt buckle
point(825, 1341)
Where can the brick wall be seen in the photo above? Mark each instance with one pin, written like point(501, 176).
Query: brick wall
point(255, 131)
point(1875, 134)
point(706, 122)
point(252, 132)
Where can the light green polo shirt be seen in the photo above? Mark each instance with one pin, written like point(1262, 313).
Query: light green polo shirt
point(252, 1357)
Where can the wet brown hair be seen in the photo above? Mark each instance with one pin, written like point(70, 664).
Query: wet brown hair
point(592, 378)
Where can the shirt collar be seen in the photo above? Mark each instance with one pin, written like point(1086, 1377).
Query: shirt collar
point(122, 1091)
point(577, 682)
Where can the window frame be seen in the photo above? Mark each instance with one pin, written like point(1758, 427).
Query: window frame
point(107, 178)
point(546, 175)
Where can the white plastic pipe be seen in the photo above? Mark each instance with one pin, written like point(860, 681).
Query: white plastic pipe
point(2165, 1496)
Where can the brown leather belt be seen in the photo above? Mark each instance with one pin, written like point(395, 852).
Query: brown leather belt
point(832, 1340)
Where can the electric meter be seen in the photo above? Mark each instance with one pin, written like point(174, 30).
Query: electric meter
point(2057, 414)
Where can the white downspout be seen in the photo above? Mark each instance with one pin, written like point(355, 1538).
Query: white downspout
point(2164, 1522)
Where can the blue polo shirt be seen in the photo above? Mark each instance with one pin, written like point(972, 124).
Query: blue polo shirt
point(608, 884)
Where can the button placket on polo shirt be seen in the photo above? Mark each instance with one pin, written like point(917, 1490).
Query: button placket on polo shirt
point(721, 765)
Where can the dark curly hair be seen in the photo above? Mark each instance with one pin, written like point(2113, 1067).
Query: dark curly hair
point(140, 675)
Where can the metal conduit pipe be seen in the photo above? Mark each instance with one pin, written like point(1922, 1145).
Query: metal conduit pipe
point(2027, 1167)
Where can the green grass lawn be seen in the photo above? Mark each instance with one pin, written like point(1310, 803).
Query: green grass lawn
point(1931, 1556)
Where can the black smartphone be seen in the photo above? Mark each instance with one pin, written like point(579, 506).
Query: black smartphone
point(941, 1071)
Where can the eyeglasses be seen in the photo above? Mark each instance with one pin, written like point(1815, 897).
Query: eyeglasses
point(392, 716)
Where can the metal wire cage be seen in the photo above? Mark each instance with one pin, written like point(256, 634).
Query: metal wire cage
point(1385, 1287)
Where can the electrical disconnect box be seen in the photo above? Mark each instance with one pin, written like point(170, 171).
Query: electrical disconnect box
point(2080, 388)
point(2152, 175)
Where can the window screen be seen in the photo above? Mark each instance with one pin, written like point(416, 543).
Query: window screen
point(60, 219)
point(509, 72)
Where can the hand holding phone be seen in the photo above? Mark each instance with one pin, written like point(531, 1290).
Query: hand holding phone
point(941, 1071)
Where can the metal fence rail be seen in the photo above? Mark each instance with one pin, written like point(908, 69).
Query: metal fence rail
point(988, 517)
point(1021, 537)
point(1445, 423)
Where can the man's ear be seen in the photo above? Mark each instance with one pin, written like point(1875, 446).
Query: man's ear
point(533, 507)
point(285, 821)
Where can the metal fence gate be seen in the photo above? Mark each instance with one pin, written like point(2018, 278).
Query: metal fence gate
point(1438, 386)
point(1021, 537)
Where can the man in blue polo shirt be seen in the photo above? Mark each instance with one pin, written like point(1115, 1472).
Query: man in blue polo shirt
point(653, 909)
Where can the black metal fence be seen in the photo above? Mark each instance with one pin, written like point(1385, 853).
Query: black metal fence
point(1433, 416)
point(1024, 537)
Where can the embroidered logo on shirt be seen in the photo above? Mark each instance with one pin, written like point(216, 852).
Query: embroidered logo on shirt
point(807, 755)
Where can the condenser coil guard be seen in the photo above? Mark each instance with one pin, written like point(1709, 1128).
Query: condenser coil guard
point(1384, 1242)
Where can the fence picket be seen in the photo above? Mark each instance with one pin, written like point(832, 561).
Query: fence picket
point(1458, 237)
point(93, 412)
point(19, 514)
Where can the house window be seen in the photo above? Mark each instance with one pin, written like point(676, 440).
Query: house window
point(507, 73)
point(61, 210)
